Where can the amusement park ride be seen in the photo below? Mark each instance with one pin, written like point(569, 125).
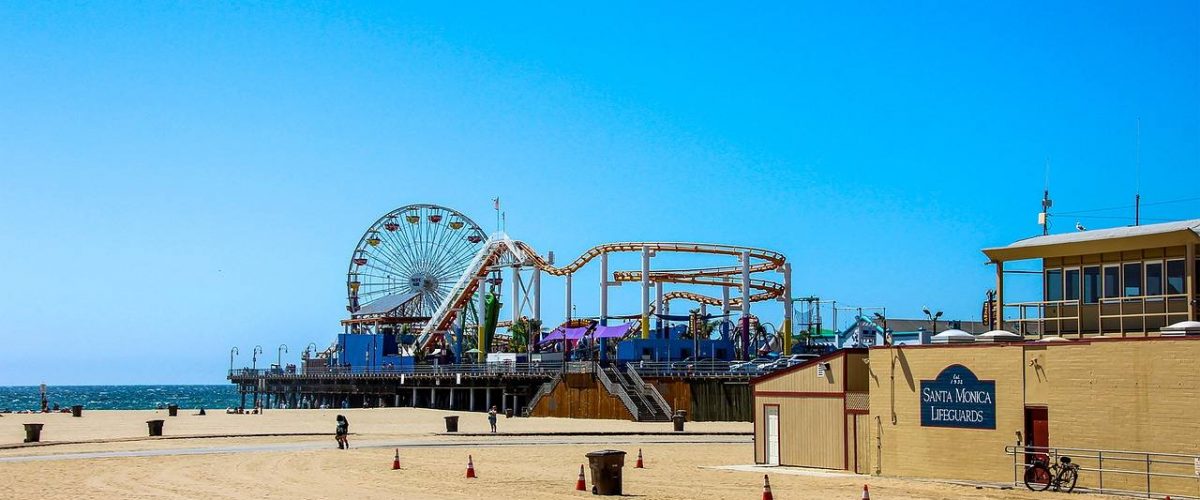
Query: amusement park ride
point(433, 278)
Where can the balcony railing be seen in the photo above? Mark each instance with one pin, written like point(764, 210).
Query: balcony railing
point(1120, 315)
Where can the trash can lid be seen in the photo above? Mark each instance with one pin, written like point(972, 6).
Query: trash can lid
point(451, 417)
point(605, 453)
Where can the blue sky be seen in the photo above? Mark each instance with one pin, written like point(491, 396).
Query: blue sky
point(180, 178)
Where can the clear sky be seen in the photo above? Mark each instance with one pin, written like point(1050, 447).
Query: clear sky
point(180, 178)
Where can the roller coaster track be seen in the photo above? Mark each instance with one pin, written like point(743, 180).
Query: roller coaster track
point(499, 245)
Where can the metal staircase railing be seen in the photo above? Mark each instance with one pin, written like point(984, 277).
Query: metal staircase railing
point(619, 391)
point(649, 391)
point(542, 391)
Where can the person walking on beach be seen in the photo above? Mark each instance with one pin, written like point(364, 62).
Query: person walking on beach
point(492, 418)
point(343, 428)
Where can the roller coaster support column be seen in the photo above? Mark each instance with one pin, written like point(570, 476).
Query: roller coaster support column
point(516, 294)
point(479, 313)
point(786, 345)
point(567, 314)
point(603, 304)
point(725, 313)
point(745, 304)
point(645, 292)
point(537, 295)
point(458, 339)
point(658, 309)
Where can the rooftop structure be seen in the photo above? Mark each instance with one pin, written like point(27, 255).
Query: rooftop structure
point(1121, 281)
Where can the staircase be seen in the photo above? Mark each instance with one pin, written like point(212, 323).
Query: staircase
point(542, 391)
point(633, 391)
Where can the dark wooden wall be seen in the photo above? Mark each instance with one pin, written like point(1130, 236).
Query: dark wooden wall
point(576, 397)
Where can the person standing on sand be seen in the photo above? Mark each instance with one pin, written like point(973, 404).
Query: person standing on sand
point(343, 428)
point(492, 418)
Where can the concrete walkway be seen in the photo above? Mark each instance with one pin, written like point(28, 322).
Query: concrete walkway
point(307, 446)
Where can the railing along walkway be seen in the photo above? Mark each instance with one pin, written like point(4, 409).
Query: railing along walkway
point(1157, 475)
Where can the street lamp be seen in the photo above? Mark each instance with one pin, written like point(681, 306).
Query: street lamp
point(279, 352)
point(232, 352)
point(887, 334)
point(254, 357)
point(311, 349)
point(933, 317)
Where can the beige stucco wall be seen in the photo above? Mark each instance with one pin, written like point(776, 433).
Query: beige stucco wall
point(907, 449)
point(1137, 394)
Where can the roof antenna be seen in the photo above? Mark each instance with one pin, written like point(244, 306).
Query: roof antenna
point(1137, 196)
point(1044, 215)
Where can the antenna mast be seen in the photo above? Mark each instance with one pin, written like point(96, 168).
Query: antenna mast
point(1137, 196)
point(1044, 215)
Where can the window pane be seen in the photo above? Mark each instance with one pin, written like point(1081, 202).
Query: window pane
point(1112, 281)
point(1071, 284)
point(1054, 284)
point(1091, 285)
point(1174, 276)
point(1154, 278)
point(1133, 279)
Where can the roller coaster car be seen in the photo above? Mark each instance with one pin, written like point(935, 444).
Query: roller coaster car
point(413, 219)
point(456, 225)
point(435, 218)
point(373, 242)
point(474, 238)
point(361, 261)
point(391, 226)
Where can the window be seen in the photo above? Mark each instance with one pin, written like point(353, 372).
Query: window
point(1091, 285)
point(1112, 281)
point(1154, 278)
point(1054, 285)
point(1133, 279)
point(1071, 284)
point(1174, 276)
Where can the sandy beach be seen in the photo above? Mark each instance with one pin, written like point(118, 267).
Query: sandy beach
point(291, 454)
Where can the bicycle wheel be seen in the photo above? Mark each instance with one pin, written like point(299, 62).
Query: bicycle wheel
point(1067, 478)
point(1037, 477)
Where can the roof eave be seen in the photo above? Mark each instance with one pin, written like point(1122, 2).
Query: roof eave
point(1172, 238)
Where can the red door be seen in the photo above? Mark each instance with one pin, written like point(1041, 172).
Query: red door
point(1037, 432)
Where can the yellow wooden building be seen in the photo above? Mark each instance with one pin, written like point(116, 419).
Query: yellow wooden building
point(814, 414)
point(1114, 381)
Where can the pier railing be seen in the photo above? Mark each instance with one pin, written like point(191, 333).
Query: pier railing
point(679, 369)
point(535, 369)
point(1134, 473)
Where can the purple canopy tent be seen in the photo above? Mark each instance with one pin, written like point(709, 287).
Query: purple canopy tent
point(560, 333)
point(612, 332)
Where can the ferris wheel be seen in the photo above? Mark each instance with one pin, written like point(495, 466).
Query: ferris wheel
point(410, 259)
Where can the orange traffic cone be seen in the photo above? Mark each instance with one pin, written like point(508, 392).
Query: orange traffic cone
point(767, 488)
point(470, 467)
point(580, 484)
point(639, 462)
point(396, 461)
point(866, 493)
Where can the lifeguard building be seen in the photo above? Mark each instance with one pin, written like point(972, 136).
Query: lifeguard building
point(1129, 281)
point(1106, 371)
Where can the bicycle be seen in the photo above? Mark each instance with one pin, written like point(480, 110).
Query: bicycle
point(1039, 476)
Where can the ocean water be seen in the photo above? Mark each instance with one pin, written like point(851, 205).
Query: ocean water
point(120, 397)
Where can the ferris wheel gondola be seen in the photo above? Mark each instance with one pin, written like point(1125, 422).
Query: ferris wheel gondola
point(411, 257)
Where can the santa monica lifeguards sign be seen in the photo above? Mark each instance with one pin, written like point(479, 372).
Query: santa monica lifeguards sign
point(956, 398)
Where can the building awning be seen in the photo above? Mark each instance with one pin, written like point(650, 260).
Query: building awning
point(1099, 241)
point(385, 304)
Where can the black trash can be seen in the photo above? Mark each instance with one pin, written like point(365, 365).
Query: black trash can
point(33, 433)
point(678, 419)
point(77, 411)
point(508, 413)
point(173, 410)
point(452, 423)
point(606, 471)
point(155, 427)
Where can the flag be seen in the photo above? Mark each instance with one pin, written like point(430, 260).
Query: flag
point(496, 203)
